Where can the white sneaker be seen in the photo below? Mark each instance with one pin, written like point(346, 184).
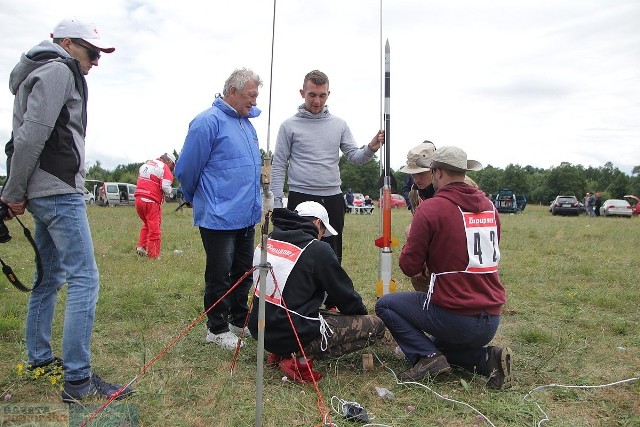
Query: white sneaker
point(226, 340)
point(141, 251)
point(238, 331)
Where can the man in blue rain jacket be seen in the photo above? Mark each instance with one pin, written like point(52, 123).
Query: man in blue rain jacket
point(219, 172)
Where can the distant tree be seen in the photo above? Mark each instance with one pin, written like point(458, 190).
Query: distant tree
point(566, 179)
point(619, 185)
point(360, 178)
point(514, 178)
point(634, 185)
point(126, 173)
point(98, 173)
point(538, 191)
point(489, 179)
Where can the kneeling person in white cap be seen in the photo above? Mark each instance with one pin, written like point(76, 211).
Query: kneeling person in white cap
point(307, 270)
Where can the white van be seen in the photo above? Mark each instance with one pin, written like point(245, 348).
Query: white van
point(115, 194)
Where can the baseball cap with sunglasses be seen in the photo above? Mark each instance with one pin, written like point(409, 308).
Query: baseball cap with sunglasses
point(93, 53)
point(87, 32)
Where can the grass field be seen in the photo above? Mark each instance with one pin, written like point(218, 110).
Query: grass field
point(572, 318)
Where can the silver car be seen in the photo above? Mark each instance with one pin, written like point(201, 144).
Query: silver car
point(616, 207)
point(88, 197)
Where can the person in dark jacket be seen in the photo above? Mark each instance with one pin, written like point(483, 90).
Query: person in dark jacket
point(597, 203)
point(307, 271)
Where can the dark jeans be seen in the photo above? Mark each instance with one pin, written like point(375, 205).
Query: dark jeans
point(229, 256)
point(335, 208)
point(462, 339)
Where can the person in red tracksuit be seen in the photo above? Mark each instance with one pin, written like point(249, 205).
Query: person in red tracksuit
point(154, 182)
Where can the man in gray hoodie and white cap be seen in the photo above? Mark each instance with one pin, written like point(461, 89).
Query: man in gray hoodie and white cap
point(46, 175)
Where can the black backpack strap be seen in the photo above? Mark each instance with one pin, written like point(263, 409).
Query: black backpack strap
point(8, 271)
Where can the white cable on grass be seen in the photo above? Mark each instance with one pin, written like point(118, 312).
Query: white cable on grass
point(434, 392)
point(546, 417)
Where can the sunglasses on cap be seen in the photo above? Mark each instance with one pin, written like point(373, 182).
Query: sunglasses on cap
point(93, 53)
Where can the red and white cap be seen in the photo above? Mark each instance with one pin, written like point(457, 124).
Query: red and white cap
point(74, 29)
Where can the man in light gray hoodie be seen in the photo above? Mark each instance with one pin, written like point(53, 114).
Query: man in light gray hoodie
point(308, 149)
point(46, 175)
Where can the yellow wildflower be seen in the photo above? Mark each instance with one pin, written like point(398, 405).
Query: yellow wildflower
point(37, 372)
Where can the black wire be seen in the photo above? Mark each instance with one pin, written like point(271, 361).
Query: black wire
point(8, 271)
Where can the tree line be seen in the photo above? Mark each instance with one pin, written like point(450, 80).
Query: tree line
point(540, 186)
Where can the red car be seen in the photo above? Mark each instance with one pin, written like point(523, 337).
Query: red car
point(634, 202)
point(397, 201)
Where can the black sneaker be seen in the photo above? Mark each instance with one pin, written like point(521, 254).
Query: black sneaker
point(499, 366)
point(93, 386)
point(428, 366)
point(47, 367)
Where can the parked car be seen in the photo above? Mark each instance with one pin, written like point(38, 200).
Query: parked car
point(616, 207)
point(565, 205)
point(509, 202)
point(176, 195)
point(397, 201)
point(634, 201)
point(88, 197)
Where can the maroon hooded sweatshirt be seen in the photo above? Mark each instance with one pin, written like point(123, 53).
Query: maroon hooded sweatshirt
point(438, 238)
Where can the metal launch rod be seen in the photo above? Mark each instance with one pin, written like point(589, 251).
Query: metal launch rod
point(267, 206)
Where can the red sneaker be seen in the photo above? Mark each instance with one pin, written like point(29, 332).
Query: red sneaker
point(273, 359)
point(299, 372)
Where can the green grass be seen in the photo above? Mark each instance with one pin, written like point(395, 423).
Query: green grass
point(572, 318)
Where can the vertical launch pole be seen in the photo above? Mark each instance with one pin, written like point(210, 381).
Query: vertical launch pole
point(267, 208)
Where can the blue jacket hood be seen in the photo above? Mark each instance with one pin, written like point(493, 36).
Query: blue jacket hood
point(229, 110)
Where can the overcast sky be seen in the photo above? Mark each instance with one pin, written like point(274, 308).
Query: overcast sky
point(511, 82)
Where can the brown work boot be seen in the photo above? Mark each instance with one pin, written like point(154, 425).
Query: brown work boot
point(499, 366)
point(427, 366)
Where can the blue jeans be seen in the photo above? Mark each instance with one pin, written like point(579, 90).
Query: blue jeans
point(64, 241)
point(462, 339)
point(229, 255)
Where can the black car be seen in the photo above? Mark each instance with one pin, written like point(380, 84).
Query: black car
point(565, 205)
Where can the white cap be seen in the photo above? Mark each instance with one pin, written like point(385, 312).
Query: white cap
point(171, 157)
point(74, 29)
point(316, 210)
